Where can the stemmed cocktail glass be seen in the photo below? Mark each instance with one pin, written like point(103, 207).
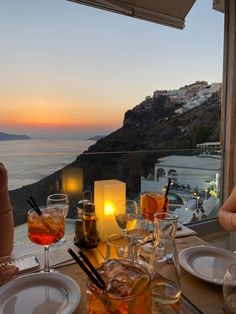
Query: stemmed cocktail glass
point(46, 229)
point(151, 203)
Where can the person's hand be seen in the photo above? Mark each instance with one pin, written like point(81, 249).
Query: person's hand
point(3, 179)
point(5, 202)
point(7, 272)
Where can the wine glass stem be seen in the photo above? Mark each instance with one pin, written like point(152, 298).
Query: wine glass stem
point(46, 259)
point(137, 249)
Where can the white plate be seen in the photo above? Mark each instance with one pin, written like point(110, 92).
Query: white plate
point(40, 293)
point(206, 262)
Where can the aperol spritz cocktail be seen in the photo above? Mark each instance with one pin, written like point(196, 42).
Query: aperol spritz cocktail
point(151, 203)
point(46, 229)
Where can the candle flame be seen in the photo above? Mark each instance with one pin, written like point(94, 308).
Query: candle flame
point(108, 209)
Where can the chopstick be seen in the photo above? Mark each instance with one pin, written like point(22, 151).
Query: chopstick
point(92, 275)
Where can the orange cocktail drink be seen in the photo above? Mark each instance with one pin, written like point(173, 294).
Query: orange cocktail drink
point(48, 228)
point(128, 289)
point(151, 203)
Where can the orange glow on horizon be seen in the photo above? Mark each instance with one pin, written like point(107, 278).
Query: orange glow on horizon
point(47, 114)
point(68, 125)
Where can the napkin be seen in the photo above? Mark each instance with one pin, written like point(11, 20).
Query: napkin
point(184, 231)
point(58, 254)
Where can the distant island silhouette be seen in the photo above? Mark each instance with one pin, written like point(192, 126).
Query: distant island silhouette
point(96, 137)
point(10, 137)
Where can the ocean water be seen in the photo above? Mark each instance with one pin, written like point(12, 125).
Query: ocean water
point(31, 160)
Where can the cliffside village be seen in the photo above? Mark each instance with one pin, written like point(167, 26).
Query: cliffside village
point(190, 96)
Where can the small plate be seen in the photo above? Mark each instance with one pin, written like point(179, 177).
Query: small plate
point(206, 262)
point(40, 293)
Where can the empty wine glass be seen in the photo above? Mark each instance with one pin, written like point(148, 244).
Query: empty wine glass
point(125, 214)
point(139, 235)
point(229, 289)
point(46, 229)
point(59, 201)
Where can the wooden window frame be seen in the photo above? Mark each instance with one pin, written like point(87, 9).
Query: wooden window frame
point(228, 107)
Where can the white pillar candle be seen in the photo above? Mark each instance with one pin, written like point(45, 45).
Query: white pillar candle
point(106, 194)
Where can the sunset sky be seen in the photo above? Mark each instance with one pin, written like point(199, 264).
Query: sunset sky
point(72, 69)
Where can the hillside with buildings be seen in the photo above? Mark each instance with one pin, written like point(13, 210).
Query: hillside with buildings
point(169, 123)
point(165, 122)
point(189, 96)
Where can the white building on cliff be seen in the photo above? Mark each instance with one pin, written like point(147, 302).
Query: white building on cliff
point(201, 172)
point(190, 174)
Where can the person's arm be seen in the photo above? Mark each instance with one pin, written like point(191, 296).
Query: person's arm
point(227, 213)
point(6, 216)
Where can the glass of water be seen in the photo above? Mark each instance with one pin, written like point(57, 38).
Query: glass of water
point(229, 289)
point(59, 201)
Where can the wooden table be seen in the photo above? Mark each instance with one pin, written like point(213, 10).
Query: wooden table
point(206, 296)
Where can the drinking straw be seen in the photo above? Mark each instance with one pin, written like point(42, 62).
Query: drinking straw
point(88, 272)
point(90, 266)
point(168, 187)
point(35, 206)
point(166, 194)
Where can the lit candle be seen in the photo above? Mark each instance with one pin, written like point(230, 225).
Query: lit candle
point(72, 180)
point(106, 195)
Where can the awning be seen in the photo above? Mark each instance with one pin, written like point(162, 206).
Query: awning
point(219, 5)
point(167, 12)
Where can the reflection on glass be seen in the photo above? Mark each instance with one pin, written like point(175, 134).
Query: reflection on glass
point(229, 289)
point(195, 178)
